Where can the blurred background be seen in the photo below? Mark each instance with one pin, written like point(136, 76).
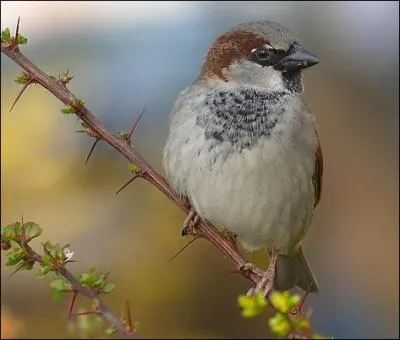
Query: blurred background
point(130, 55)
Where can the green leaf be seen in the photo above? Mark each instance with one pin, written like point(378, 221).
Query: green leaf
point(85, 277)
point(10, 232)
point(14, 244)
point(25, 265)
point(284, 302)
point(252, 305)
point(260, 300)
point(46, 265)
point(44, 271)
point(32, 230)
point(60, 285)
point(21, 39)
point(294, 300)
point(54, 251)
point(279, 324)
point(57, 295)
point(67, 110)
point(5, 35)
point(15, 257)
point(46, 261)
point(90, 278)
point(99, 281)
point(22, 79)
point(108, 288)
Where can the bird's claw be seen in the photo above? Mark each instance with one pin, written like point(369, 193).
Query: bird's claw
point(190, 223)
point(251, 267)
point(267, 277)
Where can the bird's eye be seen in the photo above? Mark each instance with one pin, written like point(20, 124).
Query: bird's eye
point(262, 54)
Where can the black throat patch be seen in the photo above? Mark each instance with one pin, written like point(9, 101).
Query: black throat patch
point(240, 117)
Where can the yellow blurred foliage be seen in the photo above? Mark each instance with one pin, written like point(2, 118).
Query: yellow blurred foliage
point(11, 326)
point(25, 134)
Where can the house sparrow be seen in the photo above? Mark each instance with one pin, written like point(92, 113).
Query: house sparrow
point(244, 150)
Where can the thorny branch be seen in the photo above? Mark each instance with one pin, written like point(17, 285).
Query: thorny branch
point(58, 88)
point(101, 308)
point(123, 144)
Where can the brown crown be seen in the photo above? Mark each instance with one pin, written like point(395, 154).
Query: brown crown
point(227, 48)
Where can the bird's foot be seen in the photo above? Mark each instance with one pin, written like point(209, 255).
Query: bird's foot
point(267, 278)
point(190, 223)
point(251, 267)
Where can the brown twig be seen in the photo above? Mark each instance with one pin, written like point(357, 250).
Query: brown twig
point(205, 229)
point(123, 144)
point(102, 309)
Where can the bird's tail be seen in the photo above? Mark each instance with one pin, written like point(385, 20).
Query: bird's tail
point(294, 270)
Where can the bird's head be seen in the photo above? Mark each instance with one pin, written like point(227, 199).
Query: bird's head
point(258, 54)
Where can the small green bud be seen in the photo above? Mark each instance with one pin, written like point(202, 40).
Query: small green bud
point(21, 40)
point(133, 168)
point(68, 110)
point(5, 35)
point(279, 324)
point(284, 301)
point(108, 287)
point(252, 305)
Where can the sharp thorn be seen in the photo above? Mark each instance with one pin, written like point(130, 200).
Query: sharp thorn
point(71, 306)
point(297, 310)
point(91, 150)
point(105, 275)
point(183, 248)
point(234, 271)
point(29, 82)
point(128, 182)
point(128, 316)
point(17, 29)
point(70, 261)
point(135, 124)
point(15, 271)
point(185, 231)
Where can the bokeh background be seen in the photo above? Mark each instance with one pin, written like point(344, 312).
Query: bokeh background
point(130, 55)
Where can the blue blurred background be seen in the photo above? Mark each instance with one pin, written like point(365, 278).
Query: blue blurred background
point(130, 55)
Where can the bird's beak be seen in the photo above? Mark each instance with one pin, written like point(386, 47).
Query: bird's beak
point(297, 58)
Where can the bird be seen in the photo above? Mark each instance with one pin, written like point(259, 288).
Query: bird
point(243, 147)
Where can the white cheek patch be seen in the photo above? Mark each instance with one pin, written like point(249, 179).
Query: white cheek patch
point(271, 79)
point(248, 73)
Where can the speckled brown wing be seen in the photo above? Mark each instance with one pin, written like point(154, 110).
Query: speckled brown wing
point(317, 176)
